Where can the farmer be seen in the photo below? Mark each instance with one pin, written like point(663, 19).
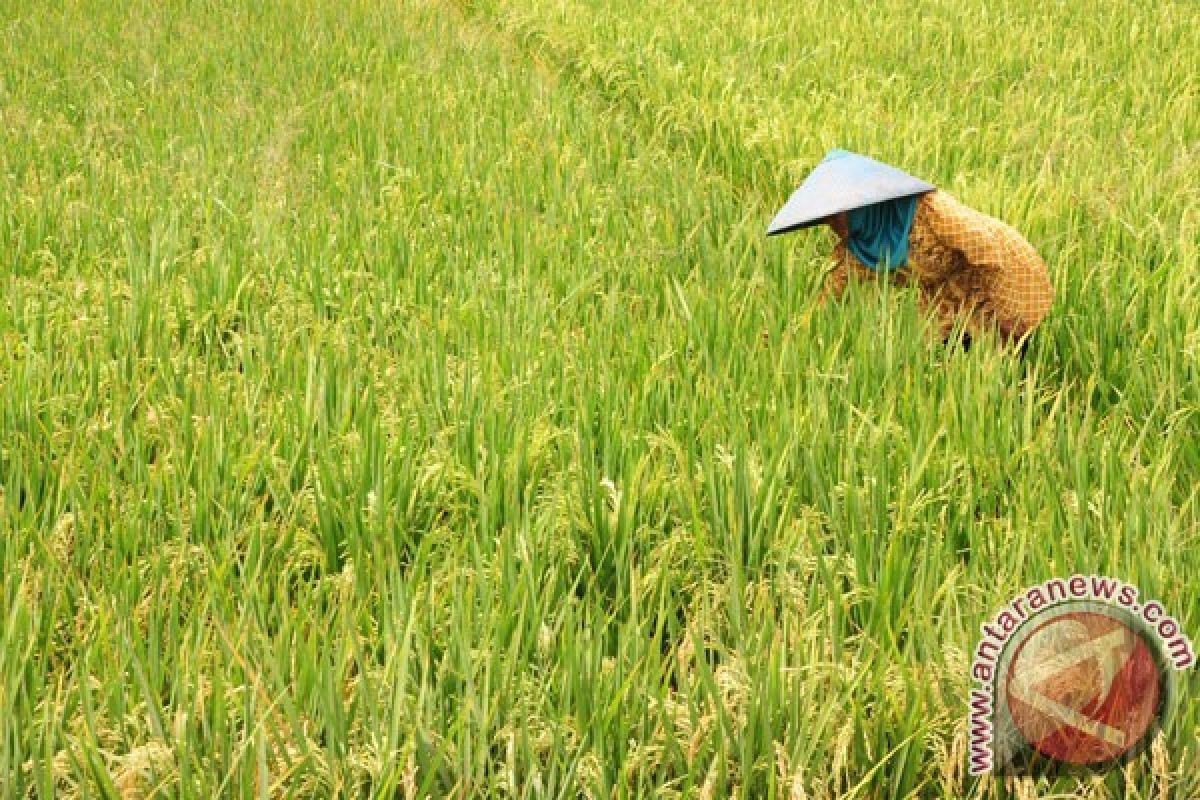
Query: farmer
point(968, 268)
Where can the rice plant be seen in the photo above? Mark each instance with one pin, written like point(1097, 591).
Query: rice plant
point(402, 400)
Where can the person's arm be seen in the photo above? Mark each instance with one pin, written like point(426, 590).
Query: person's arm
point(845, 269)
point(1019, 290)
point(944, 315)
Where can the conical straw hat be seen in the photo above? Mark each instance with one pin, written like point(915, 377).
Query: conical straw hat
point(842, 182)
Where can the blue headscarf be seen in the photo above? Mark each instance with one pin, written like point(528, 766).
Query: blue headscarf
point(879, 232)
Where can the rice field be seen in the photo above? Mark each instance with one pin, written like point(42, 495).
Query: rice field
point(401, 399)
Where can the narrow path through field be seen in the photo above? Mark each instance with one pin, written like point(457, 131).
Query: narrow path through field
point(714, 146)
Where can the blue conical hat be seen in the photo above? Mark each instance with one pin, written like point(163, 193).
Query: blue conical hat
point(842, 182)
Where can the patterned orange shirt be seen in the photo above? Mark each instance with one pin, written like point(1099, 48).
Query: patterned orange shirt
point(967, 266)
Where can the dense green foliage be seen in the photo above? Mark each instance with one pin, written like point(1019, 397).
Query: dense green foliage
point(401, 399)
